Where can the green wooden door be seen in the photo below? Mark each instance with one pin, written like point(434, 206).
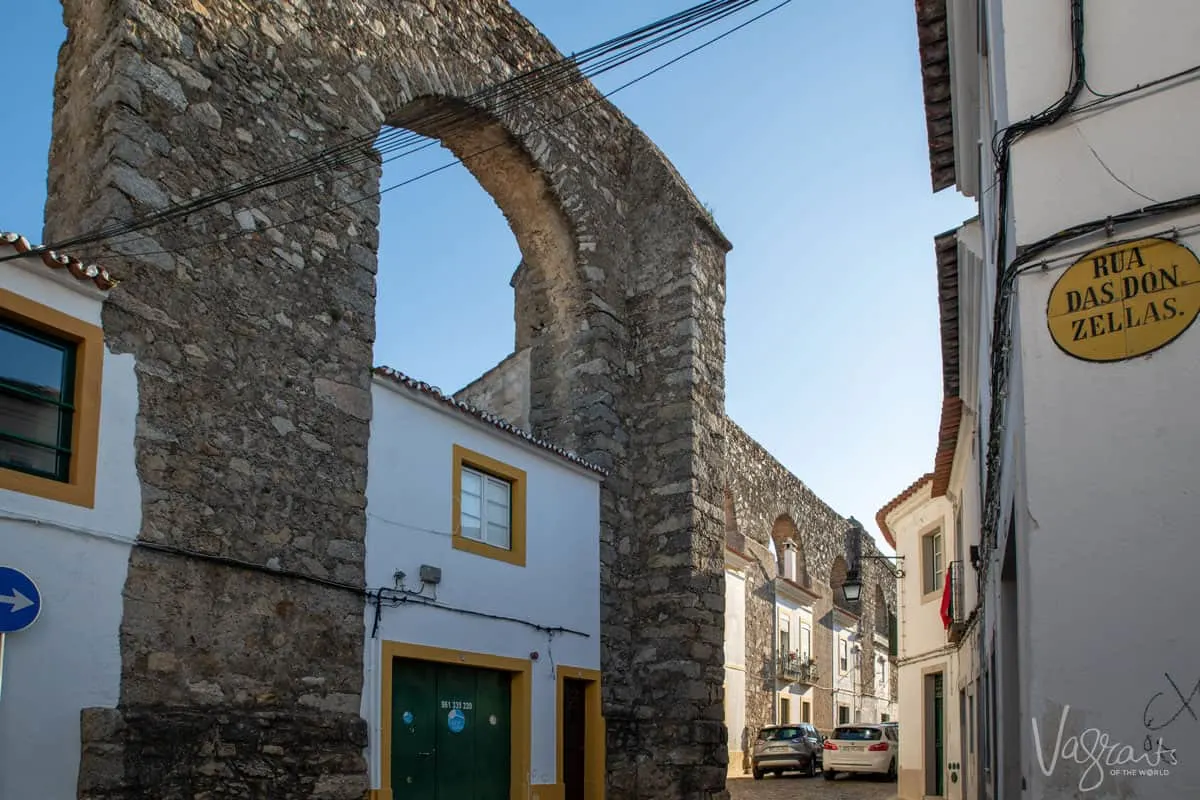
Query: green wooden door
point(414, 728)
point(451, 732)
point(493, 735)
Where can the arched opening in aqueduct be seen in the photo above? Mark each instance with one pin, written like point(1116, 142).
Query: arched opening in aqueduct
point(159, 100)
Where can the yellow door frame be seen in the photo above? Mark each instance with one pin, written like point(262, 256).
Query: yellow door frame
point(521, 670)
point(594, 734)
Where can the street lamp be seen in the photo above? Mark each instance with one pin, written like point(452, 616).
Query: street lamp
point(852, 586)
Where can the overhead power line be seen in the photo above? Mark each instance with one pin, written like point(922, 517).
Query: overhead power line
point(444, 120)
point(457, 161)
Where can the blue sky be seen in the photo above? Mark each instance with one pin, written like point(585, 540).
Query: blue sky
point(804, 133)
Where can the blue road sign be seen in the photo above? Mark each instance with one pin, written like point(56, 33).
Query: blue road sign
point(20, 600)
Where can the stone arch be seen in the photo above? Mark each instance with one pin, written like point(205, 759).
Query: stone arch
point(837, 577)
point(881, 611)
point(621, 292)
point(784, 533)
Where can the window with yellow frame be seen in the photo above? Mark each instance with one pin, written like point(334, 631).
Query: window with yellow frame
point(50, 371)
point(489, 507)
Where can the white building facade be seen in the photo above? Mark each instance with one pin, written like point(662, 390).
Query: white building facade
point(741, 738)
point(796, 669)
point(70, 505)
point(1075, 360)
point(938, 676)
point(483, 639)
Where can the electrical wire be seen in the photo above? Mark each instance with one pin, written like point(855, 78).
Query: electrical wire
point(375, 195)
point(496, 99)
point(1002, 145)
point(550, 75)
point(1107, 224)
point(378, 596)
point(1102, 97)
point(409, 142)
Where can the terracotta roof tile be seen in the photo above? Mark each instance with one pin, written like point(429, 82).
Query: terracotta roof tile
point(894, 503)
point(946, 249)
point(103, 279)
point(401, 379)
point(946, 246)
point(943, 461)
point(934, 45)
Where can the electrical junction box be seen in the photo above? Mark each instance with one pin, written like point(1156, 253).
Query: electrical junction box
point(431, 574)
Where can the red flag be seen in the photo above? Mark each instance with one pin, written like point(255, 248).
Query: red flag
point(946, 619)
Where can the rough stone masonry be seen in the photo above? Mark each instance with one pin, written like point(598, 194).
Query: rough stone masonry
point(252, 328)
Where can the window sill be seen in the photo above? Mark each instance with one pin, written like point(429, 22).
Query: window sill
point(514, 557)
point(81, 492)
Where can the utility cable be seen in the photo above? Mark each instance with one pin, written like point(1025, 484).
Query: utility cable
point(548, 78)
point(456, 162)
point(391, 596)
point(1002, 145)
point(409, 142)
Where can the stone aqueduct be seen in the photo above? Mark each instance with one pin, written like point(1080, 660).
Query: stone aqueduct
point(620, 307)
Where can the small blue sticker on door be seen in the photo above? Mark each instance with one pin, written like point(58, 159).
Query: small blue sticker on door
point(408, 718)
point(456, 721)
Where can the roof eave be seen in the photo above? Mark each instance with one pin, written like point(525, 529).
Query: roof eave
point(934, 47)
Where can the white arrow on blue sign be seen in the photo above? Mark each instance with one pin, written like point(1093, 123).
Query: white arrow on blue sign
point(20, 600)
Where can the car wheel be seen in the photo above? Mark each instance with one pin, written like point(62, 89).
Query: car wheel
point(830, 774)
point(812, 767)
point(891, 773)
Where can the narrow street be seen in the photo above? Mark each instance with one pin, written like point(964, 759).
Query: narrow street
point(799, 788)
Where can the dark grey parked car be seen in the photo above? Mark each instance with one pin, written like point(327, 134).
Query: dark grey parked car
point(787, 748)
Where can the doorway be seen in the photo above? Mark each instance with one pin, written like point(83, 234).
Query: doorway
point(451, 731)
point(574, 739)
point(935, 742)
point(454, 724)
point(580, 735)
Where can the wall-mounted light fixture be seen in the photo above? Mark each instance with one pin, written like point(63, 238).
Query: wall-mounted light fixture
point(852, 586)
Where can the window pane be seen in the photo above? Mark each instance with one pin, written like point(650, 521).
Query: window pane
point(31, 459)
point(29, 419)
point(31, 364)
point(470, 527)
point(498, 491)
point(499, 535)
point(472, 483)
point(497, 513)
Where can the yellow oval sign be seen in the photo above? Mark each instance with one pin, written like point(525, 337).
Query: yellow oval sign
point(1125, 300)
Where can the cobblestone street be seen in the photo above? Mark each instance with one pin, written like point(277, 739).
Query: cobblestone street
point(799, 788)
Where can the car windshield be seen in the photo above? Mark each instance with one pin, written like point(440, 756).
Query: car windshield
point(782, 734)
point(858, 734)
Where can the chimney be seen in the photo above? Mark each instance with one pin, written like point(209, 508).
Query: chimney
point(789, 560)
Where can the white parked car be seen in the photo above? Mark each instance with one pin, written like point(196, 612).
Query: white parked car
point(866, 748)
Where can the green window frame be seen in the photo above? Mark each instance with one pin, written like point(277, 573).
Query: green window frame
point(15, 393)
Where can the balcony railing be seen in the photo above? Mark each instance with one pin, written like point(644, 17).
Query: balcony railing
point(795, 668)
point(958, 616)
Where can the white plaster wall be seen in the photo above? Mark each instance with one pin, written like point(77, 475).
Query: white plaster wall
point(735, 618)
point(921, 630)
point(912, 730)
point(741, 739)
point(69, 659)
point(409, 496)
point(735, 667)
point(1144, 140)
point(1111, 534)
